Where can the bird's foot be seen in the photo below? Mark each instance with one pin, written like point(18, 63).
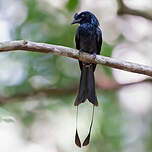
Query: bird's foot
point(94, 55)
point(80, 51)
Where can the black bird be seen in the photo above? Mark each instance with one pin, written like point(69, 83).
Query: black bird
point(88, 39)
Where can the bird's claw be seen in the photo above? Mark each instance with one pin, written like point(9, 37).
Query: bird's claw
point(80, 51)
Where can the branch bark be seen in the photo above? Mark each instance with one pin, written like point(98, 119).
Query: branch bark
point(73, 53)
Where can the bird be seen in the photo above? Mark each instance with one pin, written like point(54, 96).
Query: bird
point(88, 39)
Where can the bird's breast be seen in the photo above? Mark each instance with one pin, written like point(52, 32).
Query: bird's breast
point(88, 40)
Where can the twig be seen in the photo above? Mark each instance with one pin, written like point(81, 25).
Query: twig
point(47, 92)
point(73, 53)
point(113, 85)
point(106, 86)
point(124, 10)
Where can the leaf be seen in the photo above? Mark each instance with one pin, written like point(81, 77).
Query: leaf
point(72, 4)
point(5, 115)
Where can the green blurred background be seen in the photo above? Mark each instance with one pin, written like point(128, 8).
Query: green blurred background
point(37, 91)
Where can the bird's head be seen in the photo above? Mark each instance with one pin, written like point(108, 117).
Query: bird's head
point(85, 17)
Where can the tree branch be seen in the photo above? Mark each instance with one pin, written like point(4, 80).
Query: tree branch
point(124, 10)
point(101, 85)
point(73, 53)
point(47, 92)
point(114, 85)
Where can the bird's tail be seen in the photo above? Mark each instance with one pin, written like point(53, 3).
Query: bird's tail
point(87, 86)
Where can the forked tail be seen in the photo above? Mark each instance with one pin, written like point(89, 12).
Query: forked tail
point(87, 86)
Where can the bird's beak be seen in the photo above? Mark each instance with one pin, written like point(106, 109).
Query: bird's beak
point(76, 21)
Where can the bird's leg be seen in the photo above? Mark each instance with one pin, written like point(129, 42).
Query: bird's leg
point(94, 55)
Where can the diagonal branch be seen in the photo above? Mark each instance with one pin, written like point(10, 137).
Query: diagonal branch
point(124, 10)
point(73, 53)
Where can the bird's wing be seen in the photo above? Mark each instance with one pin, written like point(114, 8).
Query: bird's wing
point(77, 39)
point(99, 40)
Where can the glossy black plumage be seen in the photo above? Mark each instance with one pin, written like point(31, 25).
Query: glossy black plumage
point(88, 39)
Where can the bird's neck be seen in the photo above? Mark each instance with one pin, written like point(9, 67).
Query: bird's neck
point(87, 25)
point(87, 29)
